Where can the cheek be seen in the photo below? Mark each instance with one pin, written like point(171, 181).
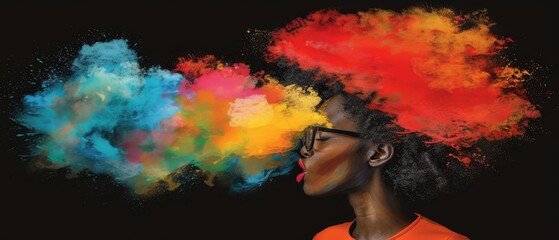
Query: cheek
point(334, 165)
point(332, 170)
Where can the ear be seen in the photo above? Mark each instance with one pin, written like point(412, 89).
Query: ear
point(379, 155)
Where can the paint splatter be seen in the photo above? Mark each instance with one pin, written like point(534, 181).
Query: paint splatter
point(436, 72)
point(143, 126)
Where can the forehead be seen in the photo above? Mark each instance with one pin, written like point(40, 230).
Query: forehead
point(334, 109)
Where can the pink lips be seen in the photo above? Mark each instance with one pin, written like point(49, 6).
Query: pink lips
point(301, 175)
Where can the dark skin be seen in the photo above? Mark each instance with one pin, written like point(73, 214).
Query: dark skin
point(335, 165)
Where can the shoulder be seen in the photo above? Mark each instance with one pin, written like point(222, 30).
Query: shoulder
point(424, 228)
point(336, 232)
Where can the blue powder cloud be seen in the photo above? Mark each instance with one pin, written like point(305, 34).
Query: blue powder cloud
point(85, 116)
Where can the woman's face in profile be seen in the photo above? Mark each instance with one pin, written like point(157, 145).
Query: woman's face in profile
point(334, 164)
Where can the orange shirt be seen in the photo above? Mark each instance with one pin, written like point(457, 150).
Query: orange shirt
point(421, 228)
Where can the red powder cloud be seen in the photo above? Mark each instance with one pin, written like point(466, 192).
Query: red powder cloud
point(435, 76)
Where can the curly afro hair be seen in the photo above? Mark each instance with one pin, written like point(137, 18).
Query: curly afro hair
point(418, 171)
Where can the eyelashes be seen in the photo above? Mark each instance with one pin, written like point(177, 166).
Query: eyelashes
point(322, 139)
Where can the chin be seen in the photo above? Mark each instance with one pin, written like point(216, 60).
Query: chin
point(309, 191)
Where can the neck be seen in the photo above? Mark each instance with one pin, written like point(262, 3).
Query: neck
point(378, 213)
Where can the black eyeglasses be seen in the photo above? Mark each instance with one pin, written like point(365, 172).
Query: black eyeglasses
point(310, 134)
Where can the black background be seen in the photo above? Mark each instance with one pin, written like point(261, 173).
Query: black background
point(516, 203)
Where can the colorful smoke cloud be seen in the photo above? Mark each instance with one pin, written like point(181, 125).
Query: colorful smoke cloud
point(438, 73)
point(144, 126)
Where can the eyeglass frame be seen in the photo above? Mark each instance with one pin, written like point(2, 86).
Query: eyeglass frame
point(315, 129)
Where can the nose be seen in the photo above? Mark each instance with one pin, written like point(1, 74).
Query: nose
point(305, 153)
